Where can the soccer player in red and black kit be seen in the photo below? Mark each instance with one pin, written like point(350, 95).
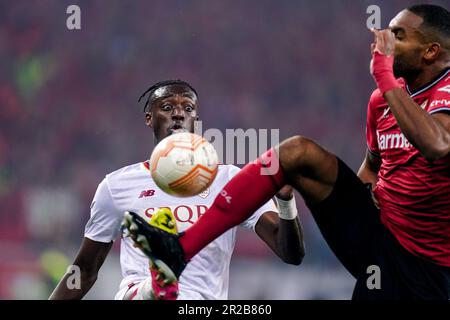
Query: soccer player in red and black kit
point(395, 213)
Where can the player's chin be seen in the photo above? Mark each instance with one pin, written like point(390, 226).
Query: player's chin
point(399, 69)
point(177, 130)
point(403, 70)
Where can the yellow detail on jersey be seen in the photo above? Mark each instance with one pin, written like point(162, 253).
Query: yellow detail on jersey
point(164, 219)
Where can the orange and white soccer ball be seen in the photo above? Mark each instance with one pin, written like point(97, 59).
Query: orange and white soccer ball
point(184, 164)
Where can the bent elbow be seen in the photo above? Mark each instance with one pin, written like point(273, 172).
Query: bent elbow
point(296, 259)
point(436, 153)
point(438, 150)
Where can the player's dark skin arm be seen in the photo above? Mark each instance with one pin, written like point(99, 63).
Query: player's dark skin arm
point(89, 259)
point(430, 134)
point(284, 237)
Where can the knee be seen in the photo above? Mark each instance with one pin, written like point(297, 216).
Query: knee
point(293, 150)
point(296, 143)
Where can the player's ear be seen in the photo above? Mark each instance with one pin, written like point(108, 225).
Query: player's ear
point(149, 119)
point(432, 51)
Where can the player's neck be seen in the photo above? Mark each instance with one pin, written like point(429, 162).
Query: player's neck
point(425, 77)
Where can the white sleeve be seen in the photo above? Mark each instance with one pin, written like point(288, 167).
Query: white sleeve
point(106, 218)
point(251, 222)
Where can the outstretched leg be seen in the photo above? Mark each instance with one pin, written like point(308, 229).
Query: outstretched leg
point(339, 201)
point(308, 167)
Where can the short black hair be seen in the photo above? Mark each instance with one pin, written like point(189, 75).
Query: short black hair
point(434, 17)
point(160, 84)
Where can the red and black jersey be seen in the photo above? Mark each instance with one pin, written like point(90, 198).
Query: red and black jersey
point(414, 194)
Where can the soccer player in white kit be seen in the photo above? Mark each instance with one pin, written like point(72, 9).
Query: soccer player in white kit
point(171, 107)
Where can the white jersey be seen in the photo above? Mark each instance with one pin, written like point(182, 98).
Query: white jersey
point(132, 189)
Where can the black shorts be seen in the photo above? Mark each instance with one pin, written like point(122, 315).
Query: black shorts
point(351, 225)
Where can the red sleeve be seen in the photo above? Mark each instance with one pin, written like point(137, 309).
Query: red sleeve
point(440, 101)
point(371, 128)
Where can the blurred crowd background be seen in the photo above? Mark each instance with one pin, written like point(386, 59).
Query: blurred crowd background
point(69, 115)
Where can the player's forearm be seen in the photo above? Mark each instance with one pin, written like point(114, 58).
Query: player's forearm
point(288, 232)
point(89, 259)
point(67, 290)
point(290, 243)
point(419, 127)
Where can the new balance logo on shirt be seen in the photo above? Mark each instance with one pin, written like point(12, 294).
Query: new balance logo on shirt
point(147, 193)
